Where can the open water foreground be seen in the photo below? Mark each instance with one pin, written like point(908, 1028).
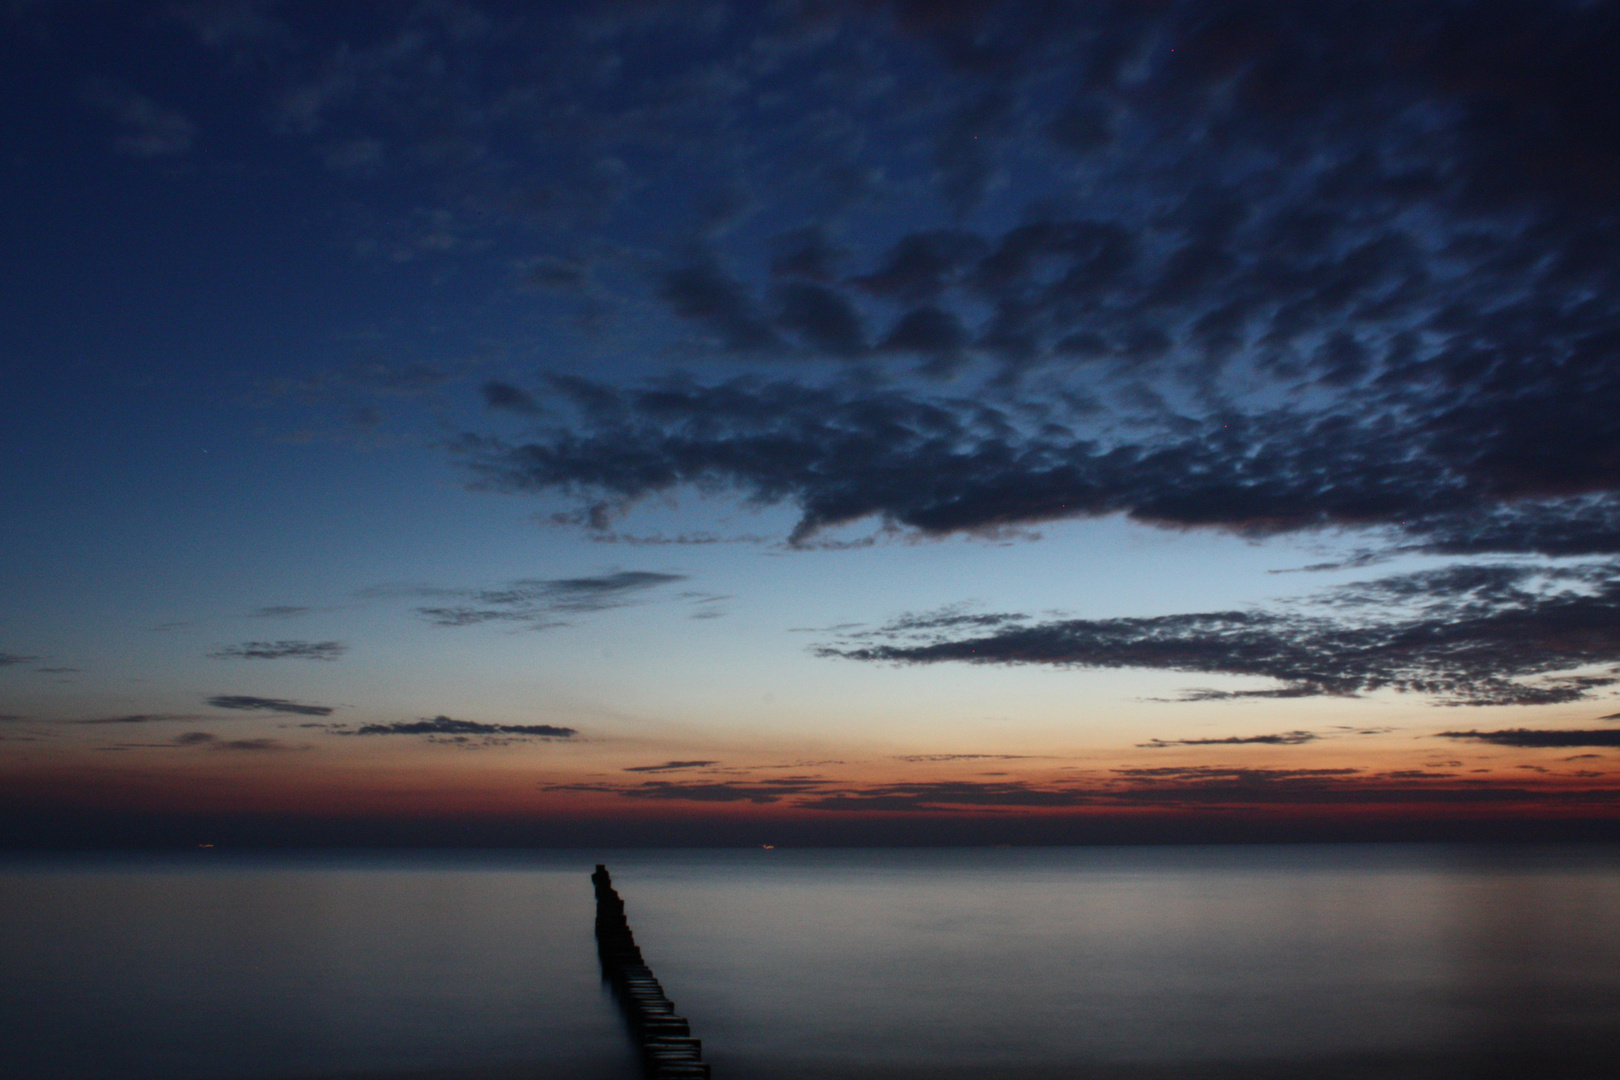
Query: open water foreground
point(1396, 962)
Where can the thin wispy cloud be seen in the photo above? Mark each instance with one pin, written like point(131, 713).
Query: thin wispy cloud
point(534, 603)
point(720, 791)
point(281, 650)
point(1468, 635)
point(464, 733)
point(146, 128)
point(916, 758)
point(669, 766)
point(251, 746)
point(1539, 739)
point(1284, 738)
point(248, 703)
point(1148, 788)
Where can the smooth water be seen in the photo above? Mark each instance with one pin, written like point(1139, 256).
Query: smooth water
point(1115, 962)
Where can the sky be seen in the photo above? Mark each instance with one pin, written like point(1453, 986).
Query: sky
point(809, 421)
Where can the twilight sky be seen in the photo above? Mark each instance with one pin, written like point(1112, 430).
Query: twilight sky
point(809, 420)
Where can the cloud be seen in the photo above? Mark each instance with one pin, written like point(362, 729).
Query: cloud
point(193, 738)
point(1328, 272)
point(537, 602)
point(937, 465)
point(1192, 786)
point(821, 318)
point(670, 766)
point(1188, 787)
point(149, 130)
point(279, 611)
point(261, 704)
point(139, 718)
point(960, 757)
point(281, 650)
point(1352, 270)
point(1526, 738)
point(760, 792)
point(501, 395)
point(250, 745)
point(444, 725)
point(1286, 738)
point(950, 795)
point(8, 659)
point(1468, 635)
point(703, 293)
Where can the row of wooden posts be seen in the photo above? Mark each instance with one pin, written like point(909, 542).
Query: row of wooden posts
point(668, 1050)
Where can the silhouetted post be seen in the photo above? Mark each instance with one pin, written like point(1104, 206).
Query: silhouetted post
point(668, 1051)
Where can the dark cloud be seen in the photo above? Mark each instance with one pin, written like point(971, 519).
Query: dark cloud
point(691, 539)
point(960, 757)
point(281, 650)
point(536, 602)
point(8, 659)
point(805, 253)
point(501, 395)
point(1526, 738)
point(279, 611)
point(193, 738)
point(950, 795)
point(848, 451)
point(59, 670)
point(1151, 788)
point(1216, 786)
point(761, 791)
point(1469, 635)
point(1285, 738)
point(821, 319)
point(250, 745)
point(670, 766)
point(703, 293)
point(922, 265)
point(261, 704)
point(138, 718)
point(444, 725)
point(1331, 269)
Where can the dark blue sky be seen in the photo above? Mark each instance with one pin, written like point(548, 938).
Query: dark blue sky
point(862, 390)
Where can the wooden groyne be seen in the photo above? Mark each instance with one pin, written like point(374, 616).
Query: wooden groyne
point(668, 1050)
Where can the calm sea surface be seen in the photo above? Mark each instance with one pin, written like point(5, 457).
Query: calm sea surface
point(1342, 961)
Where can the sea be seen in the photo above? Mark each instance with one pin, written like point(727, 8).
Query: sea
point(1395, 962)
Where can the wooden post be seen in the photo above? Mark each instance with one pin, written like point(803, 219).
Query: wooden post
point(668, 1051)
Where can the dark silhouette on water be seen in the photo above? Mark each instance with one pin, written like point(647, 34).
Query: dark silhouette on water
point(668, 1050)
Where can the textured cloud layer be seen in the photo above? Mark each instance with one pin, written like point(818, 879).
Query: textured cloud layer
point(536, 603)
point(1464, 635)
point(1331, 268)
point(249, 703)
point(281, 650)
point(444, 725)
point(1157, 788)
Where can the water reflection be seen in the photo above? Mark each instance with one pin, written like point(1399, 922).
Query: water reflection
point(1137, 961)
point(306, 968)
point(1137, 964)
